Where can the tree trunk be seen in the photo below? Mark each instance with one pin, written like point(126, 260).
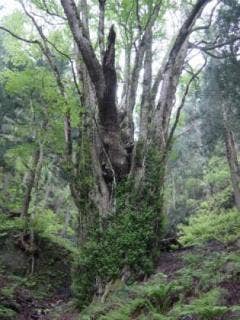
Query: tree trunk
point(232, 158)
point(30, 181)
point(113, 151)
point(104, 80)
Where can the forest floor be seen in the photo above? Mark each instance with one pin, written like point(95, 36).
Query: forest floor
point(30, 308)
point(192, 283)
point(27, 296)
point(195, 283)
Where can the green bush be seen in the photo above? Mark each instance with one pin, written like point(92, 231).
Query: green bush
point(126, 243)
point(205, 307)
point(206, 226)
point(46, 223)
point(203, 271)
point(7, 224)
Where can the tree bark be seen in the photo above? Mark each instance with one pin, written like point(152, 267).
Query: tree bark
point(101, 27)
point(104, 80)
point(140, 150)
point(171, 75)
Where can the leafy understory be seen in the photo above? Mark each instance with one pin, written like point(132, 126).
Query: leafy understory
point(204, 285)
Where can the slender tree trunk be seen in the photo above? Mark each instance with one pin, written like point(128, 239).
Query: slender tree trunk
point(30, 181)
point(232, 158)
point(140, 150)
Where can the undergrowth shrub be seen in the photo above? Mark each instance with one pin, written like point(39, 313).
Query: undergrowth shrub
point(151, 299)
point(125, 245)
point(7, 224)
point(44, 223)
point(6, 313)
point(206, 307)
point(223, 226)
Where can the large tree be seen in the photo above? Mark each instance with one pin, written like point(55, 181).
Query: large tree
point(119, 156)
point(116, 165)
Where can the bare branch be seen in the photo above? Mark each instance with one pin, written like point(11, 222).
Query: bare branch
point(185, 30)
point(158, 79)
point(208, 50)
point(153, 16)
point(223, 44)
point(48, 54)
point(140, 51)
point(72, 67)
point(44, 18)
point(138, 17)
point(179, 109)
point(46, 51)
point(101, 27)
point(19, 37)
point(210, 19)
point(83, 6)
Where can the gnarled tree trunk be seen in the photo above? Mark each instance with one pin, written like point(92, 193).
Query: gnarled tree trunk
point(119, 154)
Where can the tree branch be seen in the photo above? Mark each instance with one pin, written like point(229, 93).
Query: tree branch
point(210, 19)
point(85, 47)
point(179, 109)
point(138, 17)
point(48, 54)
point(140, 51)
point(101, 27)
point(208, 50)
point(20, 38)
point(185, 30)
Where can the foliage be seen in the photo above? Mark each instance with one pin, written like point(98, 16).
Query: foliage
point(206, 307)
point(45, 223)
point(8, 225)
point(203, 270)
point(222, 226)
point(196, 290)
point(160, 299)
point(7, 313)
point(126, 243)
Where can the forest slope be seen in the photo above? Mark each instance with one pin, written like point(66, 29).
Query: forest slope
point(199, 281)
